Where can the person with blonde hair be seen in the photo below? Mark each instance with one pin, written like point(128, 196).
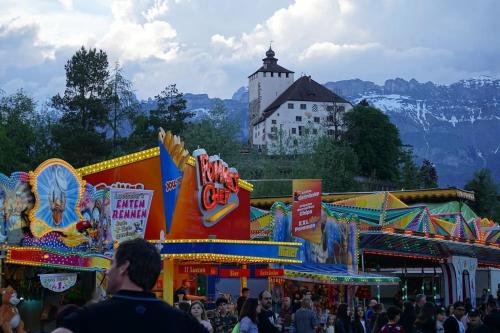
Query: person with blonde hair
point(197, 310)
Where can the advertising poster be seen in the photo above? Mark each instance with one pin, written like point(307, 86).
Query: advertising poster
point(129, 212)
point(306, 209)
point(338, 237)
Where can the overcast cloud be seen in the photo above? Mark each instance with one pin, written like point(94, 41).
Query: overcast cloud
point(212, 46)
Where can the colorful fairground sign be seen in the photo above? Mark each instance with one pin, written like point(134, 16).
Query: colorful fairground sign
point(52, 217)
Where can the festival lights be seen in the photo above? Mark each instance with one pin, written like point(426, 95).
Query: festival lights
point(137, 157)
point(228, 258)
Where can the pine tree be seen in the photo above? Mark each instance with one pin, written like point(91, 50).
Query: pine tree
point(123, 105)
point(487, 195)
point(170, 112)
point(428, 175)
point(80, 134)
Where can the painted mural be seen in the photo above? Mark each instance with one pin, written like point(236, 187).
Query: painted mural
point(16, 200)
point(338, 239)
point(53, 208)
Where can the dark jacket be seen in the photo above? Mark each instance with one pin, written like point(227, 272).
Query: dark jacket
point(342, 326)
point(267, 318)
point(357, 327)
point(451, 325)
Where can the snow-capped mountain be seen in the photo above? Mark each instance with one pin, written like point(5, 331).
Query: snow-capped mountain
point(456, 126)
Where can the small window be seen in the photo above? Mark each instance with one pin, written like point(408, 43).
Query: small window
point(330, 132)
point(264, 74)
point(341, 108)
point(273, 121)
point(315, 108)
point(286, 74)
point(294, 130)
point(290, 105)
point(303, 106)
point(329, 108)
point(272, 74)
point(274, 129)
point(298, 118)
point(315, 131)
point(279, 74)
point(301, 130)
point(316, 119)
point(329, 119)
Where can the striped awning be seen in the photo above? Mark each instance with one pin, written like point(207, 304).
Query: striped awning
point(334, 274)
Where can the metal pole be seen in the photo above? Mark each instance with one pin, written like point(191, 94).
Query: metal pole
point(362, 261)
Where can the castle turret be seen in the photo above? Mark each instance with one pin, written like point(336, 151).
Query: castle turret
point(265, 85)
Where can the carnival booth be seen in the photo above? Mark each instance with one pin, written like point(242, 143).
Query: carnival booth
point(329, 251)
point(431, 239)
point(56, 240)
point(199, 218)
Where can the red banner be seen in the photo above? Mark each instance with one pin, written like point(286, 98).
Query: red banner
point(363, 292)
point(265, 272)
point(197, 269)
point(306, 209)
point(234, 272)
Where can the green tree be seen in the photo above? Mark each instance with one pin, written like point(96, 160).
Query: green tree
point(487, 203)
point(217, 134)
point(428, 175)
point(170, 112)
point(376, 142)
point(17, 119)
point(80, 134)
point(123, 105)
point(408, 170)
point(336, 163)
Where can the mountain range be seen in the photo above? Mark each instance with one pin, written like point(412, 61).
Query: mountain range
point(456, 126)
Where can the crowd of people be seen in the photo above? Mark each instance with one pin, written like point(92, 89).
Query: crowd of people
point(136, 266)
point(259, 315)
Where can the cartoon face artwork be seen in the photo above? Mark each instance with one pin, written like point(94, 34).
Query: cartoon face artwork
point(57, 195)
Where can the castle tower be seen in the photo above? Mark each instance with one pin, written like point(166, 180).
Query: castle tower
point(265, 85)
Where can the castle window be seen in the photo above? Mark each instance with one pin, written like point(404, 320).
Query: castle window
point(329, 108)
point(298, 118)
point(303, 106)
point(273, 121)
point(316, 119)
point(301, 130)
point(294, 130)
point(286, 74)
point(290, 105)
point(315, 107)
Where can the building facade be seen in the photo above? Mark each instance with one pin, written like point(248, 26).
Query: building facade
point(284, 115)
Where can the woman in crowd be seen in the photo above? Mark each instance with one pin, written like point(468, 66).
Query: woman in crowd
point(359, 324)
point(248, 316)
point(198, 311)
point(343, 323)
point(408, 317)
point(426, 320)
point(379, 319)
point(330, 324)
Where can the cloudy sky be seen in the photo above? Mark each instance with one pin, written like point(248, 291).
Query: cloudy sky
point(211, 46)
